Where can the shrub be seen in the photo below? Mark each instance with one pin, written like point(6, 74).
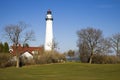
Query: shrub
point(5, 60)
point(49, 57)
point(105, 59)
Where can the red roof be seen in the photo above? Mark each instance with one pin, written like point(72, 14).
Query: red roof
point(21, 49)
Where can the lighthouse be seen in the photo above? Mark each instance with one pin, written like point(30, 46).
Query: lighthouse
point(49, 32)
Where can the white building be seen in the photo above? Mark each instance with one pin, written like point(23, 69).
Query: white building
point(49, 32)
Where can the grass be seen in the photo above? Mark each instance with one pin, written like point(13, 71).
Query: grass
point(67, 71)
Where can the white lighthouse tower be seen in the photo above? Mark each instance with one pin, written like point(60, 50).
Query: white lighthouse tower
point(49, 32)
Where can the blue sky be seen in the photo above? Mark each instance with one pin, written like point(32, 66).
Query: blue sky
point(69, 16)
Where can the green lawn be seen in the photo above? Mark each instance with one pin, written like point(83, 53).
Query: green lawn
point(67, 71)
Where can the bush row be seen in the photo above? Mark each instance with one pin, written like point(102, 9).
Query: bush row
point(105, 59)
point(45, 58)
point(101, 59)
point(42, 58)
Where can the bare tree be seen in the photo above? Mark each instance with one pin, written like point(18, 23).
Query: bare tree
point(104, 47)
point(15, 33)
point(84, 52)
point(91, 37)
point(53, 45)
point(115, 42)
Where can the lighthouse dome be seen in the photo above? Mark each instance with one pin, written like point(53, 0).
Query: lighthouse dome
point(49, 12)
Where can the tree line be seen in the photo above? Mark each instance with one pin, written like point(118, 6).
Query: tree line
point(4, 47)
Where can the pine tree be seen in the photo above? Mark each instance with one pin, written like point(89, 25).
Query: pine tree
point(1, 47)
point(25, 45)
point(6, 48)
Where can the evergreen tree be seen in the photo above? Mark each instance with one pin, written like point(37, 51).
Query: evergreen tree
point(6, 48)
point(25, 45)
point(1, 47)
